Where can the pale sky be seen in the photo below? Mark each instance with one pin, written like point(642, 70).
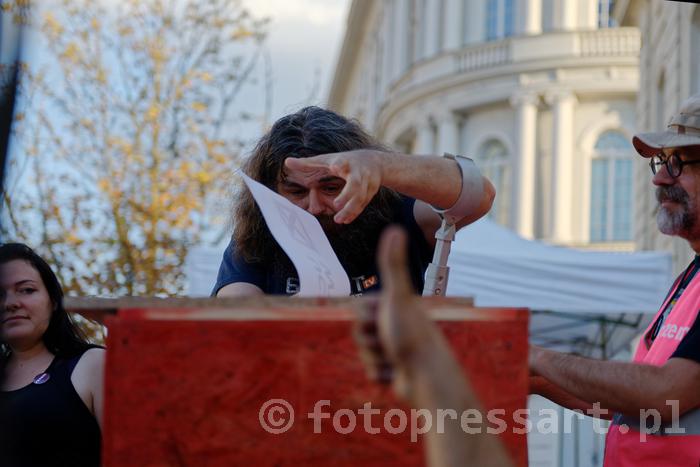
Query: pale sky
point(304, 40)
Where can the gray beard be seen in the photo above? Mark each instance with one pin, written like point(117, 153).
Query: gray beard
point(355, 244)
point(673, 223)
point(677, 221)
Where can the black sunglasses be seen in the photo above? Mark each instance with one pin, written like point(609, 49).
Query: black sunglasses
point(674, 164)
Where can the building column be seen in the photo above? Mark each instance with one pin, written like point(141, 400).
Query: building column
point(531, 16)
point(453, 24)
point(400, 37)
point(425, 138)
point(432, 28)
point(590, 19)
point(567, 15)
point(561, 219)
point(523, 193)
point(387, 45)
point(448, 134)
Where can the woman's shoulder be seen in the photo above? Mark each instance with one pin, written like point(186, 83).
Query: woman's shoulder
point(91, 360)
point(93, 355)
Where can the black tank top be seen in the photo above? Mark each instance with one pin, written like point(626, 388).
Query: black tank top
point(48, 424)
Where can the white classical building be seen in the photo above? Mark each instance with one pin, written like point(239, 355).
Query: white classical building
point(542, 93)
point(669, 73)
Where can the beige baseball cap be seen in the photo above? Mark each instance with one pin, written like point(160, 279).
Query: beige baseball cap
point(682, 130)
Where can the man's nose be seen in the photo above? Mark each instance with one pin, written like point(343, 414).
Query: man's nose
point(662, 177)
point(315, 204)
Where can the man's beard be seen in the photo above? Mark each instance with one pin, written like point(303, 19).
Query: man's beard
point(354, 244)
point(679, 220)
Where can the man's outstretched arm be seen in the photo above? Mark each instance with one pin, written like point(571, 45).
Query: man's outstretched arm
point(432, 180)
point(620, 386)
point(543, 387)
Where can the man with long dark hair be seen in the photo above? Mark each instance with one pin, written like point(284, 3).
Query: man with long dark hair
point(329, 166)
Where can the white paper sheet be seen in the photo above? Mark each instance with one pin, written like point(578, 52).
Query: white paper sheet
point(301, 236)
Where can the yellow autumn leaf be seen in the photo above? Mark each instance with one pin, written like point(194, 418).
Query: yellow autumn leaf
point(203, 177)
point(101, 76)
point(71, 53)
point(152, 113)
point(199, 106)
point(241, 33)
point(125, 30)
point(213, 144)
point(73, 238)
point(52, 25)
point(156, 52)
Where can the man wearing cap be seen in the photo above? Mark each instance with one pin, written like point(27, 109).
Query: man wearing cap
point(654, 402)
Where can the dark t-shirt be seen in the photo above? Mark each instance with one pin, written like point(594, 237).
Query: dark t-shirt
point(689, 347)
point(268, 278)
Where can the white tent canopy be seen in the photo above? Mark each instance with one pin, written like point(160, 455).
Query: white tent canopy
point(585, 301)
point(499, 268)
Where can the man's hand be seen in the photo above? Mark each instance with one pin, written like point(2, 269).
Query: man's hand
point(361, 169)
point(400, 338)
point(397, 339)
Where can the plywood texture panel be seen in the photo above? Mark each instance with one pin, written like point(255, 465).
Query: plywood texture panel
point(188, 392)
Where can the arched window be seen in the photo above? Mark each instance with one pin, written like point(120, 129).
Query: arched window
point(500, 20)
point(611, 189)
point(493, 161)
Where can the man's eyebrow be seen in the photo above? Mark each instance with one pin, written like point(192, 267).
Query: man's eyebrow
point(289, 184)
point(330, 179)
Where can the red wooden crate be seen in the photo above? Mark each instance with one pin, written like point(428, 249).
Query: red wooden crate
point(184, 387)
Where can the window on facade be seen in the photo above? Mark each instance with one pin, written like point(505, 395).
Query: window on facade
point(500, 21)
point(494, 164)
point(508, 19)
point(605, 16)
point(611, 189)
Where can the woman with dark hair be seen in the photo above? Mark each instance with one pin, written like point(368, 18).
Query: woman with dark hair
point(50, 376)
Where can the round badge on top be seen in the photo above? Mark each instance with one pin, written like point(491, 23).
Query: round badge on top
point(42, 378)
